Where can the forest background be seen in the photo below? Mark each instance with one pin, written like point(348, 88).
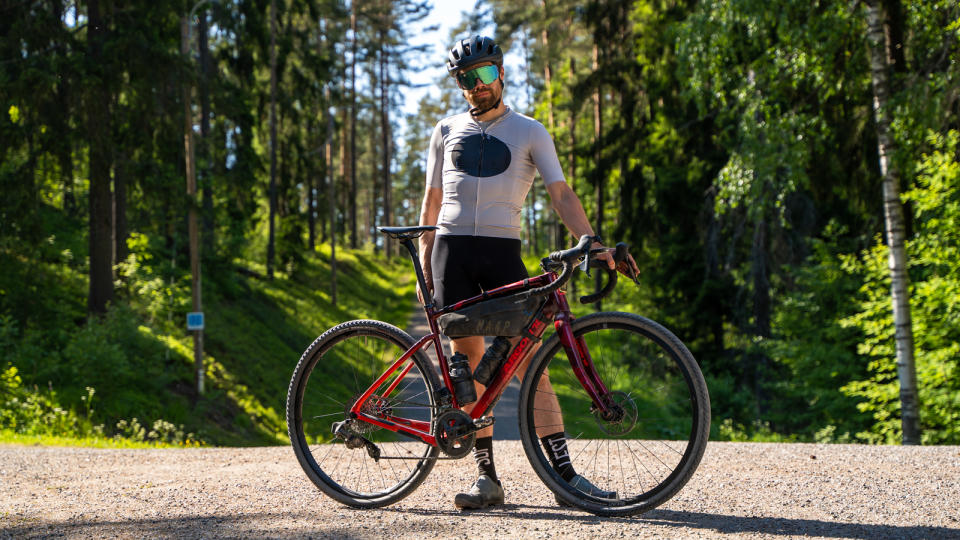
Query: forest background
point(753, 153)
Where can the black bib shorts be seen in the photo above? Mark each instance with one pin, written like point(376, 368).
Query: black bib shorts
point(465, 266)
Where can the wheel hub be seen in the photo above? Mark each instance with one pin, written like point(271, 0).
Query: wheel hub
point(622, 416)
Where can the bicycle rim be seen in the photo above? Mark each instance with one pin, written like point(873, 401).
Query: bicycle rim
point(334, 371)
point(647, 452)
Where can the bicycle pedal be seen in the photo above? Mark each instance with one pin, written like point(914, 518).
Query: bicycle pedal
point(483, 421)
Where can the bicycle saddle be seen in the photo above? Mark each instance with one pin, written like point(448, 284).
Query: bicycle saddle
point(403, 233)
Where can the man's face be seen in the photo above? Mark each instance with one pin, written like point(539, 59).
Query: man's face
point(482, 95)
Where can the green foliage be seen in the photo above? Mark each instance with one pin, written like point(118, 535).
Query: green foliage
point(935, 274)
point(140, 361)
point(817, 354)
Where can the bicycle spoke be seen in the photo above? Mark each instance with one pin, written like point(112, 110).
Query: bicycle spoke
point(633, 460)
point(364, 349)
point(644, 433)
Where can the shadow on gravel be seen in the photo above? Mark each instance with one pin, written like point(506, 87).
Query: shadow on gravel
point(790, 527)
point(733, 525)
point(513, 511)
point(264, 525)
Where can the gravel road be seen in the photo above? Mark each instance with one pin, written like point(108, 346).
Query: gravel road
point(741, 490)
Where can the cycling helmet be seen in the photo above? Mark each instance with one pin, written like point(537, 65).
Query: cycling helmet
point(473, 51)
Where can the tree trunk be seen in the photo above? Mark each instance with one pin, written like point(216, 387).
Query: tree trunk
point(573, 170)
point(385, 122)
point(311, 189)
point(271, 246)
point(352, 199)
point(571, 159)
point(880, 64)
point(121, 175)
point(556, 226)
point(331, 198)
point(599, 173)
point(192, 227)
point(64, 144)
point(206, 180)
point(98, 132)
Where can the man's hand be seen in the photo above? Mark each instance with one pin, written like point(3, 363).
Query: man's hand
point(627, 267)
point(420, 293)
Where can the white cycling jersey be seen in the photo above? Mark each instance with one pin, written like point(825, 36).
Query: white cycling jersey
point(486, 170)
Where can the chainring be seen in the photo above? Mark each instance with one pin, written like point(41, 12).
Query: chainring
point(455, 433)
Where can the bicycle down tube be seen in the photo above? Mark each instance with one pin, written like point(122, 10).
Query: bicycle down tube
point(555, 308)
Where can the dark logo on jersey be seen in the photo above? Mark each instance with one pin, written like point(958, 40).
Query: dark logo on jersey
point(481, 155)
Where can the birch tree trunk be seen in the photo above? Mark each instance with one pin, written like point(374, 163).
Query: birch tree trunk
point(880, 64)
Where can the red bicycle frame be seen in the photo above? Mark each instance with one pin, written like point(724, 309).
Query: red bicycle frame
point(555, 308)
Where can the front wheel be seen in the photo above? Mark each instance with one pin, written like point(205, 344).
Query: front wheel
point(637, 459)
point(333, 372)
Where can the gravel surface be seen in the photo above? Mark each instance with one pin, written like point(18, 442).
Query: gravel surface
point(741, 490)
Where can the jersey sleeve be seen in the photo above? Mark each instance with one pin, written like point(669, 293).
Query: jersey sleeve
point(435, 159)
point(545, 155)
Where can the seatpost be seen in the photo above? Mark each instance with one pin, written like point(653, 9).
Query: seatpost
point(427, 296)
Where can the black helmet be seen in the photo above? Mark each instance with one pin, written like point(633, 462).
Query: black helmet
point(473, 51)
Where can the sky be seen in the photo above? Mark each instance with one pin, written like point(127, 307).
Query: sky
point(446, 14)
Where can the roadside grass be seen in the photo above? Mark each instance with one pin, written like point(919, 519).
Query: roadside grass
point(74, 381)
point(10, 437)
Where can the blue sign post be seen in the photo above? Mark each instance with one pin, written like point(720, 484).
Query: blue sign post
point(195, 320)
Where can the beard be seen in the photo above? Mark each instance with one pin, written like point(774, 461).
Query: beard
point(486, 100)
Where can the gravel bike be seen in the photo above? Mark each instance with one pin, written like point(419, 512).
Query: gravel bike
point(368, 412)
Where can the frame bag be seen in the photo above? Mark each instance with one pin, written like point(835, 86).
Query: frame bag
point(506, 316)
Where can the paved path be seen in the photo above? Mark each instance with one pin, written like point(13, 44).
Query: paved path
point(505, 411)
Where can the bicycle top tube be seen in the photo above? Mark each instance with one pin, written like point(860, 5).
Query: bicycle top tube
point(504, 290)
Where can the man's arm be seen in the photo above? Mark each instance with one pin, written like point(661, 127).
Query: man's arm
point(430, 209)
point(429, 212)
point(568, 207)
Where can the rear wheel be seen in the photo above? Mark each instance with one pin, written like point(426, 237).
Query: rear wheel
point(645, 452)
point(332, 374)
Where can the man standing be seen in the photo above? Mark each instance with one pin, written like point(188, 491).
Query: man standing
point(480, 167)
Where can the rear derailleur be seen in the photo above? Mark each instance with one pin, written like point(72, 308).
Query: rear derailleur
point(352, 440)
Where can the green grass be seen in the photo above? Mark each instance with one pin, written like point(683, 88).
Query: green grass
point(11, 437)
point(139, 359)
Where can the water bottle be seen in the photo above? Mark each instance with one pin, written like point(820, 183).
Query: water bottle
point(492, 360)
point(462, 381)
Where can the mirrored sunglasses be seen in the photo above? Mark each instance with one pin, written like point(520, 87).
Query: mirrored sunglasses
point(485, 74)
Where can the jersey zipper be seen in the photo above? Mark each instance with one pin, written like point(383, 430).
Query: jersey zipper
point(483, 138)
point(476, 208)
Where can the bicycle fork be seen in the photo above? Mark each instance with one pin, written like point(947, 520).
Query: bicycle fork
point(583, 368)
